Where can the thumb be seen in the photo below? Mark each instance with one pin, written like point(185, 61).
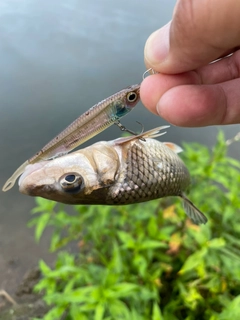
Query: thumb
point(201, 31)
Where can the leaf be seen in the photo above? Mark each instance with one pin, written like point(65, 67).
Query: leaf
point(119, 310)
point(216, 243)
point(135, 315)
point(175, 243)
point(157, 315)
point(80, 295)
point(193, 260)
point(116, 262)
point(152, 227)
point(219, 151)
point(152, 244)
point(231, 254)
point(231, 239)
point(41, 225)
point(125, 287)
point(170, 212)
point(55, 240)
point(99, 312)
point(43, 205)
point(76, 314)
point(33, 222)
point(192, 298)
point(140, 263)
point(127, 239)
point(55, 313)
point(45, 269)
point(233, 162)
point(232, 311)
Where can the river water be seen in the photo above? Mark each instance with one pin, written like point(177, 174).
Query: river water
point(58, 58)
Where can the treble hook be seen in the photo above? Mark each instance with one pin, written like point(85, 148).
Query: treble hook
point(123, 128)
point(150, 71)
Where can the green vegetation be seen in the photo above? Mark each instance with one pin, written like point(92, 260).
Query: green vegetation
point(148, 261)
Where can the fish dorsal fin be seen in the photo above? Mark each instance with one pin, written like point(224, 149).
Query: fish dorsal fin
point(174, 147)
point(148, 134)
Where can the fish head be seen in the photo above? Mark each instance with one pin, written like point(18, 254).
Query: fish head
point(126, 101)
point(73, 179)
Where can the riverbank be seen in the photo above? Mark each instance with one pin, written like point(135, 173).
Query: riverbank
point(24, 303)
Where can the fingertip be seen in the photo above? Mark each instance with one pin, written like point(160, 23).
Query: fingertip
point(149, 93)
point(155, 86)
point(171, 110)
point(180, 111)
point(192, 106)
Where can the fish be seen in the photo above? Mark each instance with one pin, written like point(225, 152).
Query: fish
point(89, 124)
point(123, 171)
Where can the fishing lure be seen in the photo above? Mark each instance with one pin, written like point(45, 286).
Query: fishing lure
point(98, 118)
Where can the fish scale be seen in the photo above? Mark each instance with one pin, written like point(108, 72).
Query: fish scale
point(145, 179)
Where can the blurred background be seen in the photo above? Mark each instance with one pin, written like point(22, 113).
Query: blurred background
point(57, 59)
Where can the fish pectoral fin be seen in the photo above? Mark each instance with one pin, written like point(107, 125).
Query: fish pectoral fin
point(193, 212)
point(148, 134)
point(174, 147)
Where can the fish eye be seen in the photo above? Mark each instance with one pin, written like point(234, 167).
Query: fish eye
point(70, 178)
point(71, 182)
point(132, 96)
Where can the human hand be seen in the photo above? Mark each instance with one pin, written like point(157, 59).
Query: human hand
point(188, 91)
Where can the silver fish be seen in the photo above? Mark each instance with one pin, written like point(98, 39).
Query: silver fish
point(119, 172)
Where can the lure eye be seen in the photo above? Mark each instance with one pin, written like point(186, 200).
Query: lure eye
point(132, 97)
point(71, 182)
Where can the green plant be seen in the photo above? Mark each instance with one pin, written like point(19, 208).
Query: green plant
point(148, 261)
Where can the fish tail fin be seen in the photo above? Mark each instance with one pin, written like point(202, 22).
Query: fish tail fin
point(193, 212)
point(144, 135)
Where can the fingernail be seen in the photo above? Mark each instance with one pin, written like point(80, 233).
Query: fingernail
point(157, 46)
point(159, 108)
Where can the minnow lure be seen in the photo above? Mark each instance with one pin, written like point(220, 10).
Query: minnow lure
point(119, 172)
point(92, 122)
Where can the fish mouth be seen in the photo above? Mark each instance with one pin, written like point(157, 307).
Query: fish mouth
point(31, 168)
